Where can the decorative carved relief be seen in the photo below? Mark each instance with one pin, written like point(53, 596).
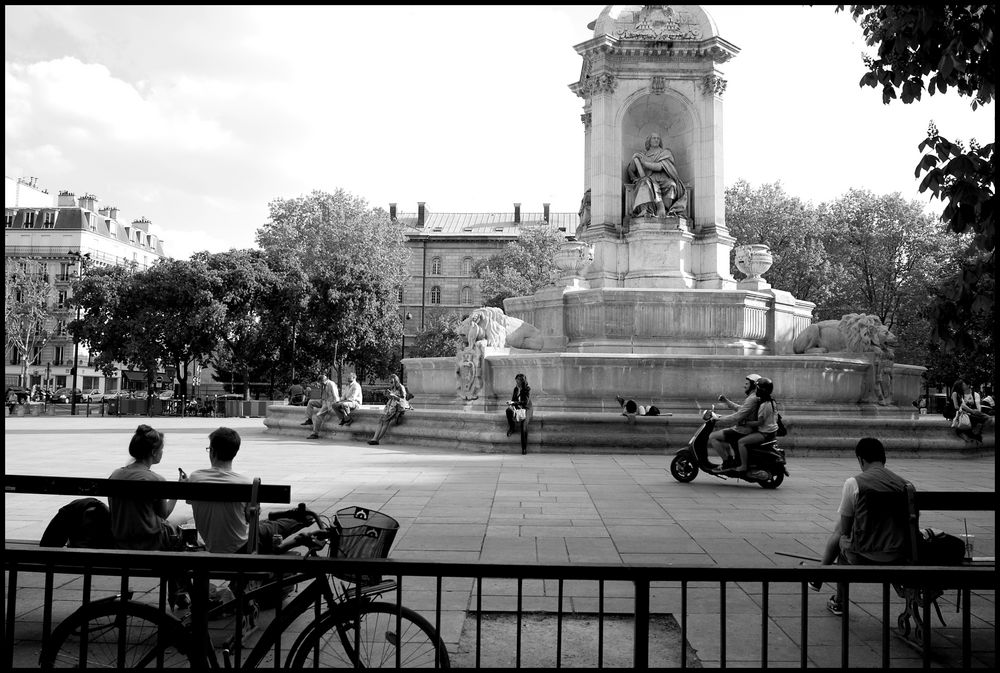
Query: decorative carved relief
point(658, 84)
point(661, 23)
point(714, 85)
point(586, 118)
point(598, 84)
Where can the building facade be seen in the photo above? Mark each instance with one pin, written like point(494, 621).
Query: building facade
point(62, 234)
point(445, 246)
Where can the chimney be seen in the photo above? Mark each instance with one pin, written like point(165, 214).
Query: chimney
point(142, 224)
point(392, 212)
point(66, 199)
point(545, 210)
point(113, 212)
point(421, 213)
point(88, 202)
point(517, 213)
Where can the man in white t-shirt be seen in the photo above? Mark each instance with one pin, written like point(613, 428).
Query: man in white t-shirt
point(223, 525)
point(350, 401)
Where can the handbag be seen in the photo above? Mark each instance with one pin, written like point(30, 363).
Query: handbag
point(782, 430)
point(962, 421)
point(520, 414)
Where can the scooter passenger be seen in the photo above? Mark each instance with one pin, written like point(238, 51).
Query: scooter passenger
point(765, 427)
point(733, 427)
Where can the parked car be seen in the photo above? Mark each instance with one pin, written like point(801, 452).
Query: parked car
point(92, 395)
point(139, 394)
point(115, 395)
point(63, 395)
point(166, 395)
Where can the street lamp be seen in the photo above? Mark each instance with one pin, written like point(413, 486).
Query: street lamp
point(80, 259)
point(402, 348)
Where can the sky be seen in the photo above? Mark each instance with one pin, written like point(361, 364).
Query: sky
point(197, 117)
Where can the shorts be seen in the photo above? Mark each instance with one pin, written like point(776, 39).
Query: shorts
point(732, 436)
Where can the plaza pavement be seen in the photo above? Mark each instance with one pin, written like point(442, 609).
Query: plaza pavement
point(551, 508)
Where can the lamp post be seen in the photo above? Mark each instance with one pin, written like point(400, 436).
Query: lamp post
point(402, 348)
point(80, 258)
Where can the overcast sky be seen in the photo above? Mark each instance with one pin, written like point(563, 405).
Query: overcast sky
point(197, 117)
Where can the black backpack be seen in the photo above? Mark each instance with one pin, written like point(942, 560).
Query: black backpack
point(937, 548)
point(949, 410)
point(85, 522)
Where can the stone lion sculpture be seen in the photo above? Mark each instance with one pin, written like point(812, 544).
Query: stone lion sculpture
point(499, 330)
point(855, 333)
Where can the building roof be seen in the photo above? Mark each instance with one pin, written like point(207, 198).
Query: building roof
point(484, 224)
point(75, 218)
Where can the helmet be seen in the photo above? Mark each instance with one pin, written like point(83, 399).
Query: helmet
point(765, 386)
point(753, 378)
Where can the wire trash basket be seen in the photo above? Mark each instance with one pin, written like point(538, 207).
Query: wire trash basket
point(361, 532)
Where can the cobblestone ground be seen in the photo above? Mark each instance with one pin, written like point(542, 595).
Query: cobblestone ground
point(556, 508)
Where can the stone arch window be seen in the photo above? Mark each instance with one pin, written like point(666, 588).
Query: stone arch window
point(466, 295)
point(436, 294)
point(436, 266)
point(399, 296)
point(467, 266)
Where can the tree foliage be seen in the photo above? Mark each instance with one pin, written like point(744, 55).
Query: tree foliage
point(26, 310)
point(440, 337)
point(938, 48)
point(352, 260)
point(521, 267)
point(792, 230)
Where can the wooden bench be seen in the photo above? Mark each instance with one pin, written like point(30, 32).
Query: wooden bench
point(80, 487)
point(944, 501)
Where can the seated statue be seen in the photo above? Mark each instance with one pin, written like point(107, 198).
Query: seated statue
point(659, 191)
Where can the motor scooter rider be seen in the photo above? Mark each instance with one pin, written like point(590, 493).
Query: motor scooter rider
point(733, 427)
point(764, 426)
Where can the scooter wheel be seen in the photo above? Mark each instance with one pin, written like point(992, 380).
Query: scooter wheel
point(683, 469)
point(773, 482)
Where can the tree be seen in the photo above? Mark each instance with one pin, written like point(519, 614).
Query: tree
point(354, 260)
point(440, 337)
point(521, 267)
point(245, 286)
point(793, 232)
point(26, 310)
point(893, 257)
point(937, 48)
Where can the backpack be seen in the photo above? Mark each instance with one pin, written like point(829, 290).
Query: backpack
point(782, 430)
point(85, 522)
point(949, 410)
point(937, 548)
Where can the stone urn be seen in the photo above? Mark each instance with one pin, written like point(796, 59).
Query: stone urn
point(753, 260)
point(573, 257)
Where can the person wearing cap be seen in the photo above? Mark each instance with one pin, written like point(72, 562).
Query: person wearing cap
point(730, 429)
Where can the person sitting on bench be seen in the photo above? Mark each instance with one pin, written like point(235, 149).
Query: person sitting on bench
point(224, 525)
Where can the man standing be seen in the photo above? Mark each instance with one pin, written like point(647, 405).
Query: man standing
point(734, 426)
point(223, 525)
point(319, 409)
point(874, 516)
point(350, 401)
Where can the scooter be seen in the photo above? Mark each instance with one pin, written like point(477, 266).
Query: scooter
point(767, 460)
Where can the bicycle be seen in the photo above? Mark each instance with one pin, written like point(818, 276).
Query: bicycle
point(354, 629)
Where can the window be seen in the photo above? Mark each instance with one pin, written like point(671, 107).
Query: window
point(15, 358)
point(65, 270)
point(60, 327)
point(436, 266)
point(9, 219)
point(399, 296)
point(36, 359)
point(29, 220)
point(436, 295)
point(466, 295)
point(62, 299)
point(467, 266)
point(60, 353)
point(49, 221)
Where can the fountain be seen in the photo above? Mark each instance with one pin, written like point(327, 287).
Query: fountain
point(644, 305)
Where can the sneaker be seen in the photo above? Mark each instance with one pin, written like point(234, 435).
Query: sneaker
point(308, 422)
point(373, 442)
point(815, 586)
point(833, 605)
point(348, 420)
point(313, 436)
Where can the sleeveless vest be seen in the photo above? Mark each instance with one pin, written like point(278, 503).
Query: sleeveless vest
point(881, 515)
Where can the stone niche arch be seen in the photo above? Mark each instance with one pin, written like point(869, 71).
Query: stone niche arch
point(667, 114)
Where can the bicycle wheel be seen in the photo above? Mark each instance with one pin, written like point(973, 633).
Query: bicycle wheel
point(147, 637)
point(330, 642)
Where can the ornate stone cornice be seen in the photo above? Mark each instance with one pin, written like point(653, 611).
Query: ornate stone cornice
point(712, 84)
point(714, 49)
point(586, 118)
point(595, 85)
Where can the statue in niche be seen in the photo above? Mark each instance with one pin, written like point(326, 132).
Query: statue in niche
point(659, 191)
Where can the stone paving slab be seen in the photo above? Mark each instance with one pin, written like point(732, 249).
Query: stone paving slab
point(542, 508)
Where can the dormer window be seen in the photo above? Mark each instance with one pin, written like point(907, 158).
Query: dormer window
point(48, 221)
point(29, 220)
point(9, 219)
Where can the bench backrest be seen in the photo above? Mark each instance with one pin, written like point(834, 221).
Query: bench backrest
point(254, 493)
point(942, 501)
